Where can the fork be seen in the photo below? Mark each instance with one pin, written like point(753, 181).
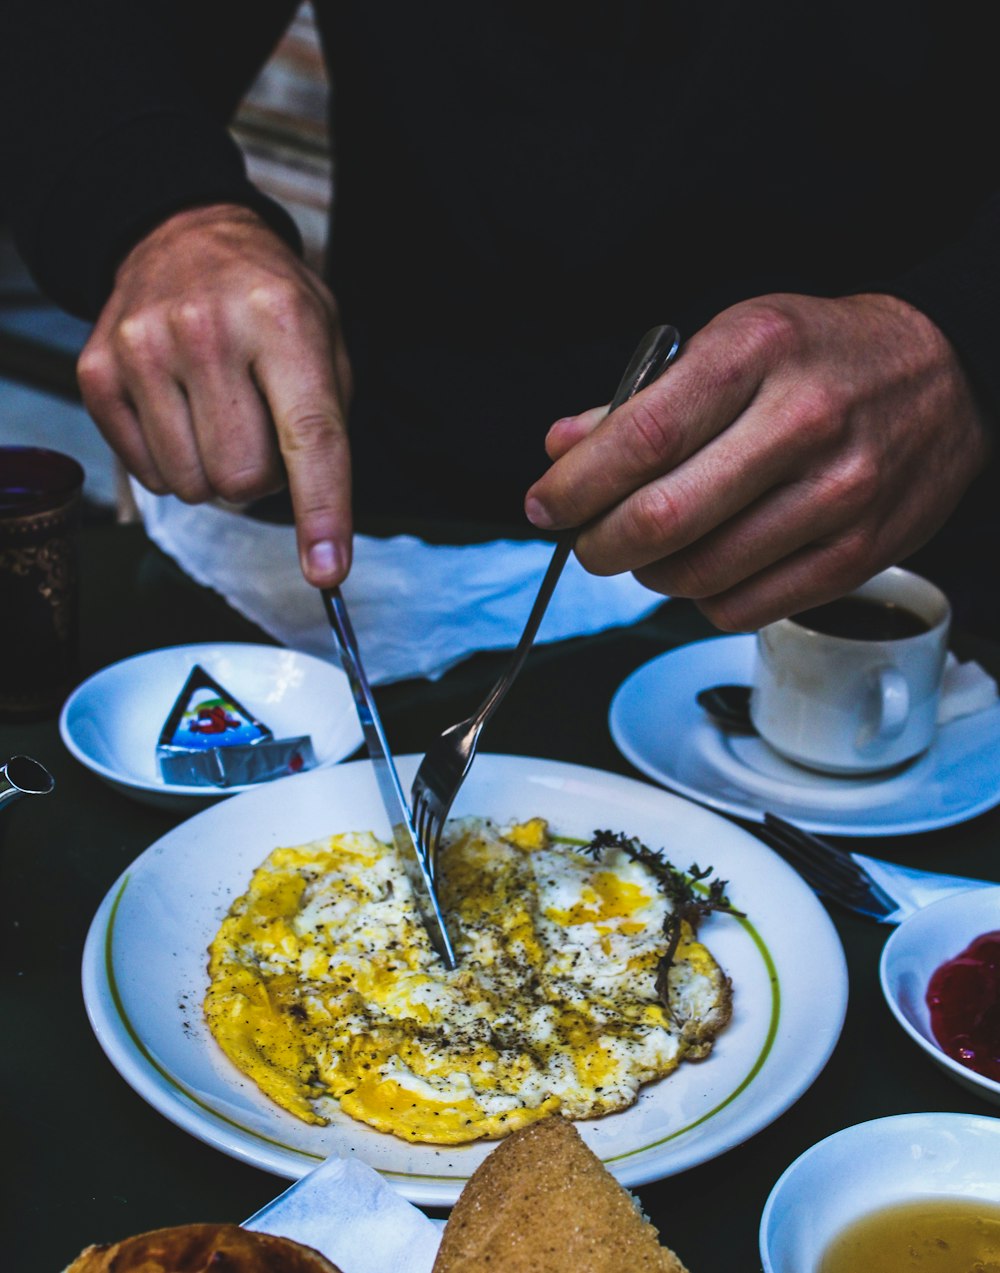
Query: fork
point(449, 758)
point(868, 886)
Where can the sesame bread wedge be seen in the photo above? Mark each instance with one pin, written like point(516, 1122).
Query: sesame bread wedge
point(543, 1202)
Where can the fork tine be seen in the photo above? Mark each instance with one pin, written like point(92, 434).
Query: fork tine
point(426, 825)
point(421, 819)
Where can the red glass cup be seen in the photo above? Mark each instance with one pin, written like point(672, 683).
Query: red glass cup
point(39, 523)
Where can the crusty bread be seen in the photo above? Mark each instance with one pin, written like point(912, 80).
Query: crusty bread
point(194, 1248)
point(543, 1202)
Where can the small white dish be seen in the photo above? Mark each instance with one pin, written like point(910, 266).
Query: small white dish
point(659, 727)
point(868, 1167)
point(916, 949)
point(111, 723)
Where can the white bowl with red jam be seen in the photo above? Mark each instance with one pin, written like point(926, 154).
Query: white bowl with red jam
point(940, 974)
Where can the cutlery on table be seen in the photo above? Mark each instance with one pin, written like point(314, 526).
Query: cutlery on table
point(409, 847)
point(449, 758)
point(869, 886)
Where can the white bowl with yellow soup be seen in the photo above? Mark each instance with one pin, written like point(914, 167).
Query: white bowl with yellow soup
point(913, 1191)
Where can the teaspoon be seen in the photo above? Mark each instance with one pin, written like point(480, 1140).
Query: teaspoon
point(728, 706)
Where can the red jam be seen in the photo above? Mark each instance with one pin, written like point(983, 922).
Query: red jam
point(964, 1002)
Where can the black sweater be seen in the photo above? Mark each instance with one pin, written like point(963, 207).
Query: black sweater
point(522, 189)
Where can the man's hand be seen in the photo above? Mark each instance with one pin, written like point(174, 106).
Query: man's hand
point(217, 368)
point(797, 447)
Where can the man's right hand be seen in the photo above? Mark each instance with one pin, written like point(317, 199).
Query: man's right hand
point(217, 368)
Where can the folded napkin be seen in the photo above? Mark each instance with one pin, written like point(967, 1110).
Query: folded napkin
point(965, 688)
point(912, 889)
point(417, 609)
point(345, 1210)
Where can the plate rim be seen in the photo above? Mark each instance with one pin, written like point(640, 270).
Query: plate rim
point(127, 1052)
point(824, 825)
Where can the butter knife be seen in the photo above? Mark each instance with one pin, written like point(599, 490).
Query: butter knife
point(404, 835)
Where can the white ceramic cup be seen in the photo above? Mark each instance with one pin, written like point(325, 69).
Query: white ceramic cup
point(844, 705)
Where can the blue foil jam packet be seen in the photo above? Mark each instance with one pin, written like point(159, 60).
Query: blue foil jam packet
point(204, 716)
point(210, 739)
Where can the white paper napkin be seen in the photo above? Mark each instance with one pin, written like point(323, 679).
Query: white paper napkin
point(965, 688)
point(912, 889)
point(417, 609)
point(348, 1212)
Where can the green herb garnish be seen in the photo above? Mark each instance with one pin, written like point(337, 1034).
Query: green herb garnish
point(690, 897)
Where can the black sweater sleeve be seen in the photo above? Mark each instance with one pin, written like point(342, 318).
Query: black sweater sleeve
point(112, 117)
point(958, 287)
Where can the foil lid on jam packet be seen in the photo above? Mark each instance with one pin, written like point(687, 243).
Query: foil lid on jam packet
point(209, 739)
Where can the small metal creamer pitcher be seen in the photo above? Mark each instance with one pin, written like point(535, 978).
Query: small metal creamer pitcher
point(22, 776)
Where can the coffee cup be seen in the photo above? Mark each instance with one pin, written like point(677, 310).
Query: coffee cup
point(852, 687)
point(40, 492)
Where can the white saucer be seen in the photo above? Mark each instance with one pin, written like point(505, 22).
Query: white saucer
point(112, 721)
point(658, 726)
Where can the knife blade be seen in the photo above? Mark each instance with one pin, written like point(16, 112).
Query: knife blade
point(405, 837)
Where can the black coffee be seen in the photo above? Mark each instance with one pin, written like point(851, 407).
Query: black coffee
point(861, 619)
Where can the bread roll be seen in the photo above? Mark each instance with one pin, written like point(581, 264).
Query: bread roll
point(542, 1202)
point(202, 1248)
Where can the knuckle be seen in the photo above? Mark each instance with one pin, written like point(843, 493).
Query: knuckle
point(311, 429)
point(654, 518)
point(95, 373)
point(851, 486)
point(653, 441)
point(819, 412)
point(135, 334)
point(196, 323)
point(140, 337)
point(277, 301)
point(770, 329)
point(862, 478)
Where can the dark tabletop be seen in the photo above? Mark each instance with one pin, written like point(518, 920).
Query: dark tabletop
point(88, 1160)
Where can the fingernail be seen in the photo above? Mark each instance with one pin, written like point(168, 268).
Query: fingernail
point(537, 513)
point(324, 558)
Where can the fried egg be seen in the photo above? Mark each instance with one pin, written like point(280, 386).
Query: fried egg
point(325, 990)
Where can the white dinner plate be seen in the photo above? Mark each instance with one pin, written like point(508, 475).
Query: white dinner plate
point(144, 973)
point(658, 726)
point(111, 723)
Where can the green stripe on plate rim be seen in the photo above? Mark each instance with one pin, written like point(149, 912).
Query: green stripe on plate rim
point(250, 1132)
